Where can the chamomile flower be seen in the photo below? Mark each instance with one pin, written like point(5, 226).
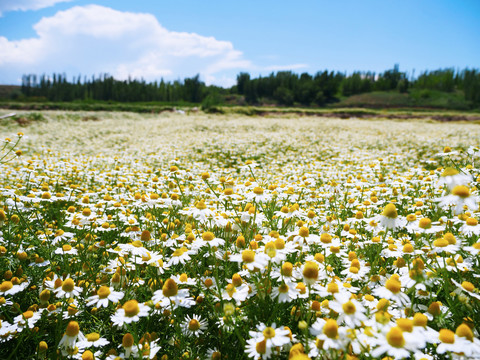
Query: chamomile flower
point(257, 348)
point(250, 259)
point(66, 249)
point(170, 296)
point(460, 197)
point(470, 227)
point(193, 326)
point(8, 288)
point(390, 219)
point(329, 333)
point(452, 177)
point(180, 256)
point(71, 336)
point(351, 312)
point(271, 334)
point(285, 292)
point(468, 287)
point(92, 340)
point(67, 289)
point(392, 291)
point(27, 319)
point(394, 343)
point(451, 342)
point(130, 312)
point(105, 294)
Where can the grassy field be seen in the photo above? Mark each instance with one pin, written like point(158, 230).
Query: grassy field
point(203, 236)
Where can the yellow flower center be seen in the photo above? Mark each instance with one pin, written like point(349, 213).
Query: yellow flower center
point(301, 287)
point(236, 280)
point(93, 337)
point(137, 244)
point(349, 308)
point(283, 289)
point(464, 331)
point(86, 212)
point(28, 314)
point(382, 317)
point(393, 285)
point(472, 221)
point(395, 337)
point(170, 288)
point(179, 252)
point(131, 308)
point(405, 324)
point(332, 288)
point(434, 308)
point(72, 329)
point(390, 211)
point(72, 309)
point(420, 320)
point(103, 292)
point(193, 325)
point(447, 336)
point(408, 248)
point(248, 256)
point(201, 205)
point(331, 329)
point(258, 190)
point(425, 223)
point(279, 243)
point(261, 347)
point(88, 355)
point(310, 271)
point(269, 332)
point(68, 285)
point(208, 282)
point(461, 191)
point(411, 217)
point(127, 340)
point(449, 172)
point(231, 289)
point(287, 269)
point(5, 286)
point(450, 238)
point(303, 232)
point(467, 285)
point(441, 242)
point(326, 238)
point(208, 236)
point(66, 247)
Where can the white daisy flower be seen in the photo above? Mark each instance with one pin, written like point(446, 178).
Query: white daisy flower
point(130, 312)
point(105, 294)
point(193, 326)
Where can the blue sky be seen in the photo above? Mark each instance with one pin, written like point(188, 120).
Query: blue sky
point(218, 39)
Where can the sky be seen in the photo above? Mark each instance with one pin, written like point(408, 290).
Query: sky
point(154, 39)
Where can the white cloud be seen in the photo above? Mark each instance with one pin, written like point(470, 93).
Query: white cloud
point(24, 5)
point(95, 39)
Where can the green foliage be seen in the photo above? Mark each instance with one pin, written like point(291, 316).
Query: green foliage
point(282, 88)
point(212, 103)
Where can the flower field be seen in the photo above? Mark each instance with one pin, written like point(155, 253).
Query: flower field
point(171, 236)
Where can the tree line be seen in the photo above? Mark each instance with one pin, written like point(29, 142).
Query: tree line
point(281, 88)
